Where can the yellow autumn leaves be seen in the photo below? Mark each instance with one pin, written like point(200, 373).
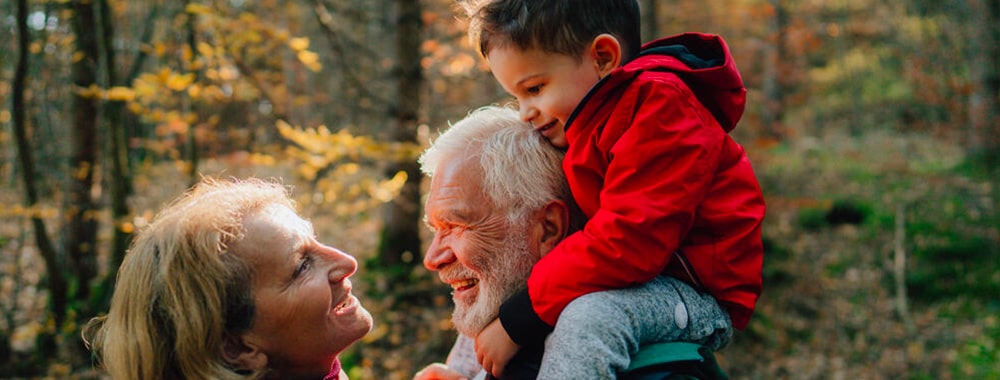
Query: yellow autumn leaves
point(341, 164)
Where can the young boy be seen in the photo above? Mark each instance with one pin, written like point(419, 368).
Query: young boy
point(672, 248)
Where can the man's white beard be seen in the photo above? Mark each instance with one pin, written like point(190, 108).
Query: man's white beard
point(506, 267)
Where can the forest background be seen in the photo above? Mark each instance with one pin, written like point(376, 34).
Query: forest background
point(873, 127)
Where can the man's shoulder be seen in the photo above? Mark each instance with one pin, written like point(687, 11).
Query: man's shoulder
point(462, 357)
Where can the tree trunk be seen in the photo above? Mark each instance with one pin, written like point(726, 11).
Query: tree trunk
point(650, 23)
point(80, 207)
point(121, 174)
point(400, 238)
point(772, 113)
point(56, 278)
point(192, 141)
point(984, 101)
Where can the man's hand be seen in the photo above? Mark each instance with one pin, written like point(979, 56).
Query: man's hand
point(438, 371)
point(494, 348)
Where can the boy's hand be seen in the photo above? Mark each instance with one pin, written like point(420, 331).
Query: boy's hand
point(438, 371)
point(494, 348)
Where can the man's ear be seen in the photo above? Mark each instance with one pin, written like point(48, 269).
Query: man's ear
point(554, 225)
point(607, 53)
point(241, 354)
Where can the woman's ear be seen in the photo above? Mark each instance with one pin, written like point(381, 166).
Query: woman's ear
point(607, 53)
point(241, 354)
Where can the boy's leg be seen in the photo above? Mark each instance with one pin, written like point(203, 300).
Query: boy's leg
point(597, 333)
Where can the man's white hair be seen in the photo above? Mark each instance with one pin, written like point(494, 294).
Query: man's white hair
point(522, 171)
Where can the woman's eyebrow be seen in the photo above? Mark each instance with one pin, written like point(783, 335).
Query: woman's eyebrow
point(310, 230)
point(290, 272)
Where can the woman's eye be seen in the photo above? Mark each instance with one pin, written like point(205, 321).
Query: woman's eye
point(304, 264)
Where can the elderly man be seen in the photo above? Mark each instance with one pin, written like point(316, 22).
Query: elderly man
point(498, 201)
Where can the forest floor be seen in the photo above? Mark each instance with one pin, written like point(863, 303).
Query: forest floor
point(831, 309)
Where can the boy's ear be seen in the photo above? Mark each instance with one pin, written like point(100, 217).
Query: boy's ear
point(607, 53)
point(241, 354)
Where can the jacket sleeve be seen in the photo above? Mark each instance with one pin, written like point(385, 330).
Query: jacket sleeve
point(520, 321)
point(662, 153)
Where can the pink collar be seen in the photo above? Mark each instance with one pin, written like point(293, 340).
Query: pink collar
point(334, 371)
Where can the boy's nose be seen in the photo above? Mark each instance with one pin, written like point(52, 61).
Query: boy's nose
point(527, 112)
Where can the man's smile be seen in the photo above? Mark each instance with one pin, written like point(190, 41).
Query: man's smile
point(462, 285)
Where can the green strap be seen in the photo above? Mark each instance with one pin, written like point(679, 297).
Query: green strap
point(667, 352)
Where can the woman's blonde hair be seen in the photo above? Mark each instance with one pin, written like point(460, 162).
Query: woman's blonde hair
point(179, 291)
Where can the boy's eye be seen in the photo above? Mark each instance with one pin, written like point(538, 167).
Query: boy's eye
point(534, 89)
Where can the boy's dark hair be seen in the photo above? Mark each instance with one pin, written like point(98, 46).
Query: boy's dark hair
point(553, 26)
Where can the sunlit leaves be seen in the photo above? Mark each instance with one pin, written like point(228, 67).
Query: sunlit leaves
point(156, 96)
point(344, 167)
point(300, 46)
point(261, 159)
point(389, 189)
point(207, 51)
point(178, 82)
point(80, 171)
point(449, 59)
point(120, 93)
point(88, 92)
point(310, 59)
point(36, 211)
point(195, 8)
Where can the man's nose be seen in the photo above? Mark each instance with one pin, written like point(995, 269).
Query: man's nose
point(438, 255)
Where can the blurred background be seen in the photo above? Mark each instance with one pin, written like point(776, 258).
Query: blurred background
point(873, 127)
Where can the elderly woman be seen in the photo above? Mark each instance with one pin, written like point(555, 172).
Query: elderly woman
point(228, 282)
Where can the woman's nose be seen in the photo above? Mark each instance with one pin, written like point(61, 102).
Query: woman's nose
point(343, 265)
point(438, 255)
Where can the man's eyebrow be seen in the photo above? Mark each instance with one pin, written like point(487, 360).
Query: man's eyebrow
point(457, 214)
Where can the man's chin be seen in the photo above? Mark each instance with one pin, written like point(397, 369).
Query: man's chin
point(469, 323)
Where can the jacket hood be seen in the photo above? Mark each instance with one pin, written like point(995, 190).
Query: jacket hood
point(705, 65)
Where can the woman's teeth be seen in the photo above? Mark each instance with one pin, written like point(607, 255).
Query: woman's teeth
point(344, 304)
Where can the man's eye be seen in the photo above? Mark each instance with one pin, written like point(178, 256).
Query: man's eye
point(447, 229)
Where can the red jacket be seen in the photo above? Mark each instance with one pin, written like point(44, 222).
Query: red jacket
point(651, 164)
